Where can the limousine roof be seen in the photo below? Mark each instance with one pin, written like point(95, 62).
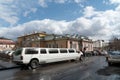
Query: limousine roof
point(45, 48)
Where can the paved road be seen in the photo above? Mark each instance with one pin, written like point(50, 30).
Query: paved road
point(93, 68)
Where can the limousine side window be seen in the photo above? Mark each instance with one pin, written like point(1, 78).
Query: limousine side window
point(43, 51)
point(53, 51)
point(71, 51)
point(31, 51)
point(63, 51)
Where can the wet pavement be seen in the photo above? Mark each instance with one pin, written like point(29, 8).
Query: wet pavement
point(7, 64)
point(93, 68)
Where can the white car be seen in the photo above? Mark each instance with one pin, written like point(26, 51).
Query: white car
point(10, 53)
point(104, 53)
point(34, 56)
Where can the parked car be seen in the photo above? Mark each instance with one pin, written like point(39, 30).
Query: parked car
point(104, 53)
point(4, 54)
point(7, 54)
point(10, 54)
point(113, 57)
point(95, 52)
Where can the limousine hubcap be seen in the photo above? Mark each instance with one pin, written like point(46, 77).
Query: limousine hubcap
point(34, 64)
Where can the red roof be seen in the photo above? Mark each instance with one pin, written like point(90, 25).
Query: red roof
point(4, 41)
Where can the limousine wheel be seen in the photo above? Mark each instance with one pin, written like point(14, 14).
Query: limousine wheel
point(34, 64)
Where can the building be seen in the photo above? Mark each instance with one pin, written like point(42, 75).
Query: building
point(69, 42)
point(33, 39)
point(60, 41)
point(54, 41)
point(86, 44)
point(6, 44)
point(99, 44)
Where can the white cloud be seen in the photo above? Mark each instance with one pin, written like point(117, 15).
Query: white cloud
point(42, 3)
point(26, 13)
point(106, 2)
point(6, 12)
point(12, 10)
point(50, 26)
point(89, 11)
point(94, 24)
point(104, 23)
point(118, 8)
point(78, 1)
point(60, 1)
point(114, 1)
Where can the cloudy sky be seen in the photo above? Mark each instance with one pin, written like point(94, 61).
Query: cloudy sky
point(97, 19)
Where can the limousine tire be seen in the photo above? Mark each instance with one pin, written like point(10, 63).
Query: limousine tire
point(34, 64)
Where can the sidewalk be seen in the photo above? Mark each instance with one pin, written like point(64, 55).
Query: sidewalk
point(6, 64)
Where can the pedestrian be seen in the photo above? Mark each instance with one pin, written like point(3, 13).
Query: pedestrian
point(84, 50)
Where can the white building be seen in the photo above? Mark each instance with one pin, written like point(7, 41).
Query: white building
point(6, 44)
point(99, 44)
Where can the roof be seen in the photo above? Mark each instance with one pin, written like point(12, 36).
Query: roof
point(6, 41)
point(35, 33)
point(4, 38)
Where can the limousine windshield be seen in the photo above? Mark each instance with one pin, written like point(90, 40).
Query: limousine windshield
point(17, 52)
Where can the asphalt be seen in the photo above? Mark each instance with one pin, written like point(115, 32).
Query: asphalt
point(7, 64)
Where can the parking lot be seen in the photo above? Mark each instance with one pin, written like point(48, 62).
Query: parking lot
point(93, 68)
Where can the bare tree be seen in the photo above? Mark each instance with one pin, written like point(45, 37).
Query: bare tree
point(114, 44)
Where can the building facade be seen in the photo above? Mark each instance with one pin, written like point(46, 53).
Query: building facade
point(100, 45)
point(86, 44)
point(54, 41)
point(31, 40)
point(62, 43)
point(6, 44)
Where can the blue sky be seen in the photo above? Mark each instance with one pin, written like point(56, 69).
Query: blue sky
point(97, 19)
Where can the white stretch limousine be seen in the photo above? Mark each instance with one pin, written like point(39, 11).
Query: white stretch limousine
point(34, 56)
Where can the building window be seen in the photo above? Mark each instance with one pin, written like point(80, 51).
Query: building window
point(74, 46)
point(49, 45)
point(55, 45)
point(70, 44)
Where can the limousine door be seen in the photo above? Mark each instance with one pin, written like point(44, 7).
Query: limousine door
point(30, 54)
point(43, 57)
point(17, 55)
